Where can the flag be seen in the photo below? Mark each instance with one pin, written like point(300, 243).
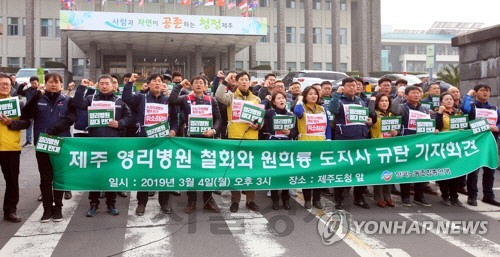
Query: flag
point(231, 4)
point(198, 3)
point(141, 2)
point(209, 3)
point(243, 4)
point(186, 2)
point(253, 4)
point(221, 2)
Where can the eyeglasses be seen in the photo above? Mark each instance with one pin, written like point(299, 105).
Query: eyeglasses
point(6, 84)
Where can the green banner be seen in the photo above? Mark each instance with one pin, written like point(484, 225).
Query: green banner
point(49, 144)
point(459, 122)
point(281, 122)
point(250, 113)
point(10, 107)
point(100, 117)
point(388, 123)
point(181, 164)
point(357, 114)
point(159, 130)
point(198, 125)
point(479, 125)
point(426, 126)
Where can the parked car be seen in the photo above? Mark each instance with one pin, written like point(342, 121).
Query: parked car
point(309, 77)
point(24, 74)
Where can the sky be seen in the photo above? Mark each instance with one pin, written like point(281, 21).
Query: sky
point(421, 14)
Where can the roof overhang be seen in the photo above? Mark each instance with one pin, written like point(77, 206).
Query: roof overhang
point(160, 34)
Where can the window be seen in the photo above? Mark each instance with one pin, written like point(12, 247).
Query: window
point(275, 65)
point(302, 35)
point(343, 67)
point(290, 4)
point(13, 62)
point(58, 28)
point(291, 66)
point(46, 28)
point(329, 66)
point(317, 66)
point(275, 34)
point(343, 5)
point(152, 1)
point(43, 60)
point(265, 63)
point(238, 65)
point(328, 4)
point(343, 36)
point(317, 4)
point(290, 35)
point(12, 26)
point(302, 65)
point(78, 65)
point(302, 4)
point(264, 3)
point(316, 35)
point(328, 36)
point(265, 39)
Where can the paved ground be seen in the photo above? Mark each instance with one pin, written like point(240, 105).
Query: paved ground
point(246, 233)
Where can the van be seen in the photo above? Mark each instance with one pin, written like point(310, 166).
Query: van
point(24, 74)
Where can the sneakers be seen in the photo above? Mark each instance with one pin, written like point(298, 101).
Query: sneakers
point(268, 194)
point(406, 202)
point(57, 214)
point(446, 202)
point(92, 210)
point(252, 206)
point(234, 207)
point(27, 144)
point(112, 210)
point(141, 208)
point(456, 202)
point(47, 215)
point(362, 204)
point(472, 201)
point(68, 195)
point(423, 202)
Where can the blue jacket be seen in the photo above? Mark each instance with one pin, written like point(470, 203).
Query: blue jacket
point(53, 113)
point(342, 131)
point(137, 102)
point(469, 106)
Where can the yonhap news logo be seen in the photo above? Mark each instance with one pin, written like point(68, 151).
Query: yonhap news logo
point(334, 226)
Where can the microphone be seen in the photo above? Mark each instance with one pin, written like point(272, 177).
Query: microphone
point(254, 122)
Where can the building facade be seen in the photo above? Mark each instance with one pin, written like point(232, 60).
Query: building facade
point(341, 35)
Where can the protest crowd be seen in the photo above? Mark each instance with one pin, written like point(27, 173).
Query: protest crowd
point(319, 112)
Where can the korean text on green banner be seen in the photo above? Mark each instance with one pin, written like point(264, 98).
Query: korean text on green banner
point(181, 164)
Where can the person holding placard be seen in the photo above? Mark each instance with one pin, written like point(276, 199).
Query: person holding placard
point(312, 125)
point(203, 116)
point(385, 125)
point(237, 128)
point(11, 125)
point(411, 111)
point(352, 122)
point(108, 116)
point(279, 124)
point(53, 113)
point(153, 111)
point(476, 108)
point(446, 111)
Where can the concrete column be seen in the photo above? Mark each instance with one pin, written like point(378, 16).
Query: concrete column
point(252, 57)
point(161, 7)
point(222, 11)
point(93, 60)
point(375, 36)
point(335, 35)
point(192, 8)
point(359, 36)
point(308, 17)
point(130, 58)
point(64, 48)
point(198, 63)
point(223, 61)
point(30, 34)
point(281, 35)
point(231, 56)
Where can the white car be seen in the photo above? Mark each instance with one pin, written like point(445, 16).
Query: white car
point(24, 74)
point(309, 77)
